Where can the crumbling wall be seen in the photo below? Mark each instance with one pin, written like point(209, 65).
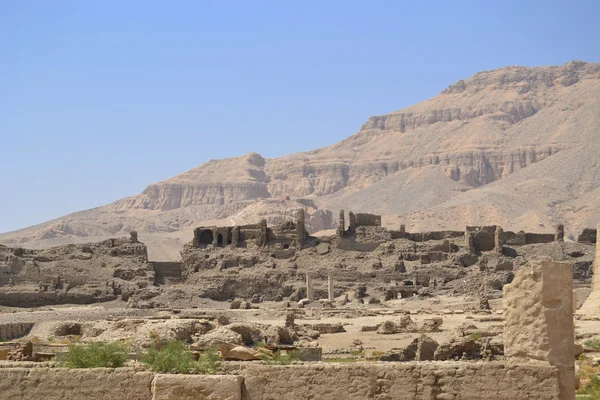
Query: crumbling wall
point(483, 237)
point(14, 330)
point(363, 219)
point(410, 380)
point(67, 384)
point(356, 381)
point(166, 271)
point(588, 235)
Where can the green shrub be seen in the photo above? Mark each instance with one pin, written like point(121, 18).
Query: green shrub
point(209, 362)
point(110, 355)
point(173, 357)
point(593, 344)
point(476, 335)
point(589, 372)
point(176, 357)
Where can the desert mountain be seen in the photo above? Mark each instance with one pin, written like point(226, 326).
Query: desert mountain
point(516, 146)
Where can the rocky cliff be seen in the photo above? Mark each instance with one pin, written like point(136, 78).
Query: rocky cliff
point(515, 146)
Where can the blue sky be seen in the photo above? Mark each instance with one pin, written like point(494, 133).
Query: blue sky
point(100, 98)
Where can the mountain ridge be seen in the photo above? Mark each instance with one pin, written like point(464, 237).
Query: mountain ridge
point(444, 161)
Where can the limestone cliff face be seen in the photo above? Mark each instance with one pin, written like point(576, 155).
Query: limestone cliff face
point(496, 132)
point(167, 196)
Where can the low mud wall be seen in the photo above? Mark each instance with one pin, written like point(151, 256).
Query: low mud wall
point(401, 381)
point(14, 330)
point(66, 384)
point(323, 381)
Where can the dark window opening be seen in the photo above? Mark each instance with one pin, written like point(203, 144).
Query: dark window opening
point(206, 237)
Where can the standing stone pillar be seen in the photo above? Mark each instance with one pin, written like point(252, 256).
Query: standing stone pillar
point(403, 228)
point(469, 240)
point(235, 236)
point(341, 225)
point(592, 303)
point(538, 320)
point(330, 293)
point(299, 228)
point(559, 235)
point(261, 241)
point(309, 289)
point(352, 222)
point(499, 240)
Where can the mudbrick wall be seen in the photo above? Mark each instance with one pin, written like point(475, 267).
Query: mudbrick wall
point(390, 381)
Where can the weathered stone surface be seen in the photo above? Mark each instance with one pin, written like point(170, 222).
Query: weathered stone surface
point(401, 381)
point(538, 311)
point(431, 324)
point(74, 384)
point(196, 387)
point(592, 303)
point(404, 324)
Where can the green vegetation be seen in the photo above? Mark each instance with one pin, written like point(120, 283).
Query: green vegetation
point(475, 335)
point(590, 383)
point(176, 357)
point(209, 362)
point(593, 344)
point(110, 355)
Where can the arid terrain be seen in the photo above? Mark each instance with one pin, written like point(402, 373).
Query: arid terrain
point(514, 147)
point(461, 229)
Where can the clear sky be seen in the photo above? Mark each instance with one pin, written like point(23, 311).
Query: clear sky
point(100, 98)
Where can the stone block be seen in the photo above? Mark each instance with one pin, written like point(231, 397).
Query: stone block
point(311, 353)
point(196, 387)
point(538, 327)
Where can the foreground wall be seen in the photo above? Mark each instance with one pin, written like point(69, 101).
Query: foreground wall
point(323, 381)
point(406, 381)
point(67, 384)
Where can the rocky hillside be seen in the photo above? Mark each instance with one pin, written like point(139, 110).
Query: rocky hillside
point(515, 146)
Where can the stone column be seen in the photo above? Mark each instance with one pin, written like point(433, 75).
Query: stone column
point(330, 293)
point(262, 237)
point(469, 240)
point(341, 225)
point(403, 228)
point(299, 228)
point(498, 239)
point(538, 320)
point(592, 303)
point(309, 289)
point(559, 235)
point(352, 222)
point(235, 236)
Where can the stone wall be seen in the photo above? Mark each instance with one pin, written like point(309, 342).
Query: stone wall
point(14, 330)
point(67, 384)
point(166, 271)
point(402, 381)
point(254, 381)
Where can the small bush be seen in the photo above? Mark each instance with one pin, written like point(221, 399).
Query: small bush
point(176, 357)
point(109, 355)
point(173, 357)
point(593, 344)
point(475, 335)
point(590, 384)
point(209, 362)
